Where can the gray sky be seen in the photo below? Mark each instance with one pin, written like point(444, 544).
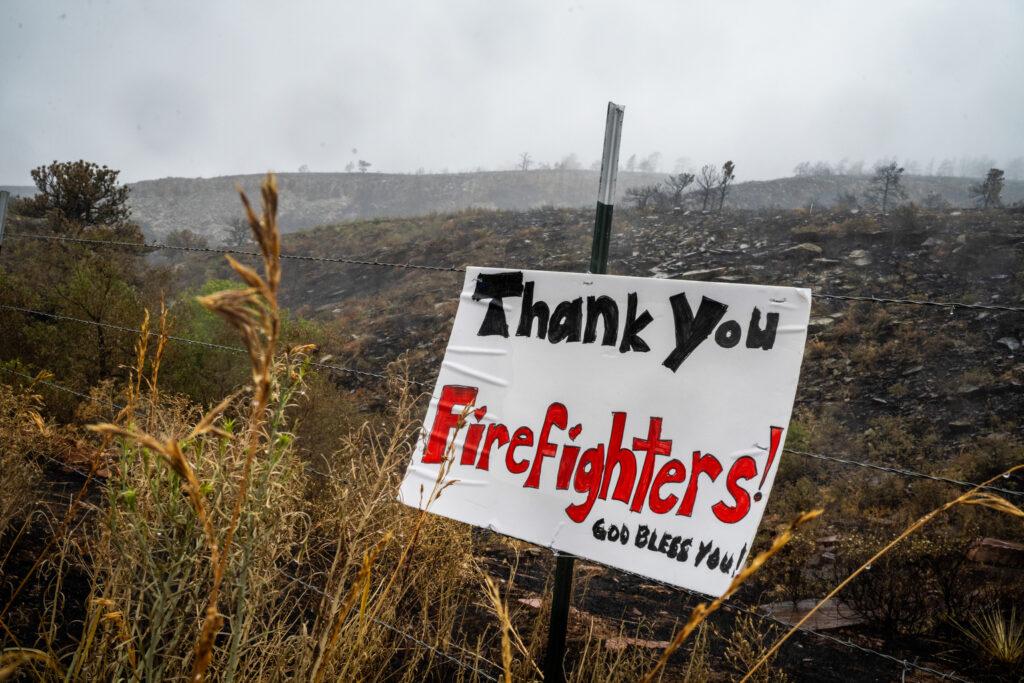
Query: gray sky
point(191, 88)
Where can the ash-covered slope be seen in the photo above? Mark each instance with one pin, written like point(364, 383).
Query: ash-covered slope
point(823, 191)
point(207, 206)
point(309, 199)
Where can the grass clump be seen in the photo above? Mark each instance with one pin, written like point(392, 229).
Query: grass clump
point(220, 556)
point(999, 635)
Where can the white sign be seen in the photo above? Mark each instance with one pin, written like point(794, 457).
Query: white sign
point(631, 421)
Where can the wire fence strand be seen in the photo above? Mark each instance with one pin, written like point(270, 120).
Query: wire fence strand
point(921, 302)
point(60, 387)
point(105, 401)
point(195, 342)
point(902, 472)
point(222, 250)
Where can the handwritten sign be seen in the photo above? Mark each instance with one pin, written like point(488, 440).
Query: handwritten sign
point(635, 422)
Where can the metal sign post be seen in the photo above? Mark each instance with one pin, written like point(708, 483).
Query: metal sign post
point(554, 669)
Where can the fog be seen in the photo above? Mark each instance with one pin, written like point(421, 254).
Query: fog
point(210, 88)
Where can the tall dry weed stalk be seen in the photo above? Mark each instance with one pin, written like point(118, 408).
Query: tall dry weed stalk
point(509, 635)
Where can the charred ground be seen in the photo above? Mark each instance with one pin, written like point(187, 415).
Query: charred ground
point(932, 389)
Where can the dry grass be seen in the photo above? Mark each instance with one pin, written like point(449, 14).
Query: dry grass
point(745, 644)
point(22, 426)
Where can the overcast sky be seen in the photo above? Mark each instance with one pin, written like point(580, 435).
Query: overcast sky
point(190, 88)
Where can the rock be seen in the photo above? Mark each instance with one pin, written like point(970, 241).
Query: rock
point(859, 257)
point(913, 371)
point(997, 551)
point(833, 614)
point(931, 242)
point(819, 324)
point(803, 249)
point(700, 274)
point(1010, 343)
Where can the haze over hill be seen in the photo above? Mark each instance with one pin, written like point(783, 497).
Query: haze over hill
point(19, 190)
point(206, 205)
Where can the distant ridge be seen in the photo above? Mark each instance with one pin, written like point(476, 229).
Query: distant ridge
point(310, 199)
point(19, 190)
point(206, 205)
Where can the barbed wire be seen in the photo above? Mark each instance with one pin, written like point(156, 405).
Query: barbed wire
point(902, 472)
point(220, 250)
point(60, 387)
point(196, 342)
point(734, 605)
point(921, 302)
point(952, 305)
